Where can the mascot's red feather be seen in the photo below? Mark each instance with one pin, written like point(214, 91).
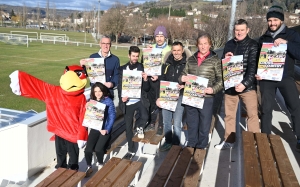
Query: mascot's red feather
point(65, 104)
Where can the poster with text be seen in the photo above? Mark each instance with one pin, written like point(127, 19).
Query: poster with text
point(168, 95)
point(193, 94)
point(95, 69)
point(152, 58)
point(232, 71)
point(94, 115)
point(131, 83)
point(271, 61)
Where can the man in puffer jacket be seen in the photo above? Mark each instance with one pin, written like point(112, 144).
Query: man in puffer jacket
point(242, 44)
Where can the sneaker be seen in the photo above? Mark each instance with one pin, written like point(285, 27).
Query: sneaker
point(140, 132)
point(298, 146)
point(159, 131)
point(150, 127)
point(99, 165)
point(165, 147)
point(224, 145)
point(88, 171)
point(128, 156)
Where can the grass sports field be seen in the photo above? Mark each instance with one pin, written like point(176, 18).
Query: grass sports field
point(45, 61)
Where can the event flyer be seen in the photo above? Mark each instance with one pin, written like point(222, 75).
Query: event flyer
point(193, 94)
point(168, 95)
point(232, 71)
point(94, 115)
point(131, 83)
point(95, 69)
point(152, 58)
point(271, 61)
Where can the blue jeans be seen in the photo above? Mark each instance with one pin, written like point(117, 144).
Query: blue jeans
point(177, 119)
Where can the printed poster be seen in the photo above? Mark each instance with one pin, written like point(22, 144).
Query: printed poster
point(168, 95)
point(131, 84)
point(152, 58)
point(193, 94)
point(95, 69)
point(271, 61)
point(232, 71)
point(94, 115)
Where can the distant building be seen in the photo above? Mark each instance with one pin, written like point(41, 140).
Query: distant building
point(177, 18)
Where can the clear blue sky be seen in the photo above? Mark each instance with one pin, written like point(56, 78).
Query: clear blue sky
point(70, 4)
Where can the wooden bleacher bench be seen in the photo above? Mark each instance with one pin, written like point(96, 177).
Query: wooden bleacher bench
point(116, 172)
point(181, 167)
point(62, 178)
point(266, 162)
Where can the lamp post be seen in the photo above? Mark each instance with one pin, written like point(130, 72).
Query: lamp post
point(144, 38)
point(169, 10)
point(94, 20)
point(98, 18)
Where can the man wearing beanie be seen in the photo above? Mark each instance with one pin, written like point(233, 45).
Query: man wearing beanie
point(161, 36)
point(279, 33)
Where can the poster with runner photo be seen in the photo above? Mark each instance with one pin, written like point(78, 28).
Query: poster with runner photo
point(193, 94)
point(131, 83)
point(168, 95)
point(152, 58)
point(271, 61)
point(95, 69)
point(232, 71)
point(94, 115)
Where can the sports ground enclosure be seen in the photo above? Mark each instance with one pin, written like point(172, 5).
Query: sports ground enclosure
point(45, 61)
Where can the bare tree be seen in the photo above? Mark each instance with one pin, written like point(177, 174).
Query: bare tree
point(135, 26)
point(38, 15)
point(218, 29)
point(113, 22)
point(47, 14)
point(24, 15)
point(257, 27)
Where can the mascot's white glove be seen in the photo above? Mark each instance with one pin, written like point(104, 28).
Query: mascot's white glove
point(14, 82)
point(81, 143)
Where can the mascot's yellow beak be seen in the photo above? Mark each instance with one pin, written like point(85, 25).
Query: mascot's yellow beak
point(70, 82)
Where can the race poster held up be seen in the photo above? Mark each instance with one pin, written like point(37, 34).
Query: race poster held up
point(131, 83)
point(95, 69)
point(232, 71)
point(271, 61)
point(168, 95)
point(94, 115)
point(193, 94)
point(152, 61)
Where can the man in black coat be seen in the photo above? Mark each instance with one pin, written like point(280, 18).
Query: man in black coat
point(278, 33)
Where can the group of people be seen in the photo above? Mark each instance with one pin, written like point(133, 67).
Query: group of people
point(177, 63)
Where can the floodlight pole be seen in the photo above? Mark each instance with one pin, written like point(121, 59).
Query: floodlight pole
point(94, 21)
point(98, 18)
point(169, 10)
point(232, 18)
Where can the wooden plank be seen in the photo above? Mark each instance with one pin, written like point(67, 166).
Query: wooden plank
point(192, 176)
point(51, 177)
point(180, 168)
point(251, 165)
point(156, 139)
point(146, 138)
point(117, 142)
point(269, 172)
point(74, 179)
point(62, 178)
point(286, 172)
point(110, 165)
point(115, 173)
point(128, 175)
point(165, 168)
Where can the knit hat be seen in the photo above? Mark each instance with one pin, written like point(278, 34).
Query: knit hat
point(275, 12)
point(161, 30)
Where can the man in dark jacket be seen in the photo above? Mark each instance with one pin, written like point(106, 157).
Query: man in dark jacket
point(111, 62)
point(242, 44)
point(278, 33)
point(171, 70)
point(129, 105)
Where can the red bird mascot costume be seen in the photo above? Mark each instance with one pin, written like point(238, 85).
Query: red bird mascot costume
point(65, 105)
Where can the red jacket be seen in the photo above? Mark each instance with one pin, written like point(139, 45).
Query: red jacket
point(65, 110)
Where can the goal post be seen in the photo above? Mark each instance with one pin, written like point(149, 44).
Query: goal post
point(14, 39)
point(27, 33)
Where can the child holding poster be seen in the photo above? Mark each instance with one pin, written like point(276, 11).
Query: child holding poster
point(98, 139)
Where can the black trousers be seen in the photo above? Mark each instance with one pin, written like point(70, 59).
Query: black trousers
point(290, 94)
point(199, 122)
point(64, 147)
point(98, 143)
point(140, 122)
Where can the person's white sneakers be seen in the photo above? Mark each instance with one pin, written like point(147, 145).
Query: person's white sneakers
point(140, 132)
point(224, 145)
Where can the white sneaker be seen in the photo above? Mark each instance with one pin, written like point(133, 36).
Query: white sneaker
point(99, 165)
point(224, 145)
point(140, 132)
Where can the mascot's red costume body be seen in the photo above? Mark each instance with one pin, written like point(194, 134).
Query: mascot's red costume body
point(65, 105)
